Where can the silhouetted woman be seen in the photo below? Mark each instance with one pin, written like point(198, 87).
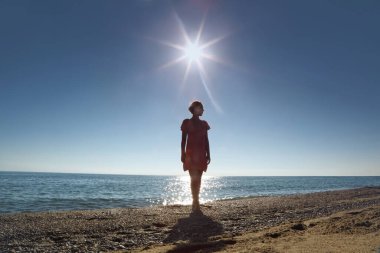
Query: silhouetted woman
point(196, 157)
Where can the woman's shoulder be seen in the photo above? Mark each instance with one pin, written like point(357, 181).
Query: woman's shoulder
point(185, 121)
point(184, 125)
point(206, 124)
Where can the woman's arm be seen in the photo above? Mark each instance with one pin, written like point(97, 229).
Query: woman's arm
point(208, 155)
point(183, 145)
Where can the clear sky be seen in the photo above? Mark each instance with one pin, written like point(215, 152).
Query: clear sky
point(292, 87)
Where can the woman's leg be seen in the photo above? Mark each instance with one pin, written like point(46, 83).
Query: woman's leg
point(196, 176)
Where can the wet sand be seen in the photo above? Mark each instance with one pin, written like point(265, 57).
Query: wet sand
point(332, 221)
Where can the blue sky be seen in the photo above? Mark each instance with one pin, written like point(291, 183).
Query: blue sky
point(297, 91)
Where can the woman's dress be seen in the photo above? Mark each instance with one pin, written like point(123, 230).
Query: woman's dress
point(196, 144)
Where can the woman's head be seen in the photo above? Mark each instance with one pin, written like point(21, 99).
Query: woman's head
point(196, 108)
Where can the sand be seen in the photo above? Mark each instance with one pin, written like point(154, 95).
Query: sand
point(331, 221)
point(349, 231)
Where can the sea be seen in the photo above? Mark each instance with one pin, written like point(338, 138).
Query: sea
point(33, 192)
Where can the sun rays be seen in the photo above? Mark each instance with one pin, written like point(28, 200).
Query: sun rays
point(194, 52)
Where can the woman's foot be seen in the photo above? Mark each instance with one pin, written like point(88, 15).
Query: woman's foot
point(196, 206)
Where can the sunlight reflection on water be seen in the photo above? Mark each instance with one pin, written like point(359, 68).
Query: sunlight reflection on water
point(178, 190)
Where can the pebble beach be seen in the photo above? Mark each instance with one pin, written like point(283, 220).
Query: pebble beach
point(255, 224)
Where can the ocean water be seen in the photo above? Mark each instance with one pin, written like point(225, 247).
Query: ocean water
point(31, 192)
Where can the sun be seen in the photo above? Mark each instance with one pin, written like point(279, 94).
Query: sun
point(193, 52)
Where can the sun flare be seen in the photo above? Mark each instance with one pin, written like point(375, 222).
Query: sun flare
point(194, 52)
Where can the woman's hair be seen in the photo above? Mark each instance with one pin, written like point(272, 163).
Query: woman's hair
point(193, 105)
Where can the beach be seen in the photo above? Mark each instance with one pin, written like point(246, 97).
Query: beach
point(330, 221)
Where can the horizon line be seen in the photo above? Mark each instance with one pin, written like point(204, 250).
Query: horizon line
point(165, 175)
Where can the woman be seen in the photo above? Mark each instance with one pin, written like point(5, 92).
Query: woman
point(195, 149)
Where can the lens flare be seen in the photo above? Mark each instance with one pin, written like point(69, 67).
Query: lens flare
point(194, 52)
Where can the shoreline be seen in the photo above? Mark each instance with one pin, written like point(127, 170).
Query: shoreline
point(139, 228)
point(204, 203)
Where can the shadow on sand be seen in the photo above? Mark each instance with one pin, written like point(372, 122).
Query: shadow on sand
point(194, 232)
